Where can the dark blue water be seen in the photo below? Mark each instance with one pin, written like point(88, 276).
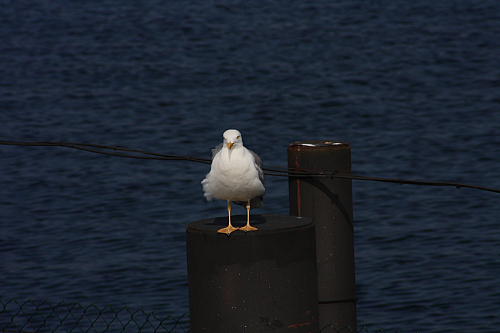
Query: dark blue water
point(413, 86)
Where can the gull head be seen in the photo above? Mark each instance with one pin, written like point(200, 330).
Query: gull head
point(232, 139)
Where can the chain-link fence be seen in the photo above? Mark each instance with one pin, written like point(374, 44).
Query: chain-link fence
point(31, 316)
point(43, 317)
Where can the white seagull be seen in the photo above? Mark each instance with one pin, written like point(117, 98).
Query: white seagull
point(236, 176)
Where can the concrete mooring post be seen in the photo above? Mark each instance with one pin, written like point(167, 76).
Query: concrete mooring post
point(259, 281)
point(328, 202)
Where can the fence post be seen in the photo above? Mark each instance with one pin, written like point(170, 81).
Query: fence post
point(328, 202)
point(258, 281)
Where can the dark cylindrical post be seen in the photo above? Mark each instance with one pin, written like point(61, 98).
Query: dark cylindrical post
point(258, 281)
point(328, 202)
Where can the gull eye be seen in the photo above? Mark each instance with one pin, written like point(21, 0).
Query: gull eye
point(238, 137)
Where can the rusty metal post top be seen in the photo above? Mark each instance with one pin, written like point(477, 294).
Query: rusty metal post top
point(318, 144)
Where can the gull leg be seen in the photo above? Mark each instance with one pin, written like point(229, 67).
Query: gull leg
point(248, 227)
point(229, 229)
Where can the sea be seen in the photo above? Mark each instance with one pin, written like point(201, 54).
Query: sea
point(412, 86)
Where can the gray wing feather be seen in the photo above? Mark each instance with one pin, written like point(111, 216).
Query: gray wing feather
point(216, 150)
point(258, 162)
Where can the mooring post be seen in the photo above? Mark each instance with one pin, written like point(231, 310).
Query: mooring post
point(258, 281)
point(328, 202)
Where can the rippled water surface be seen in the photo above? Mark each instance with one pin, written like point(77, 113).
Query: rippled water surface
point(414, 87)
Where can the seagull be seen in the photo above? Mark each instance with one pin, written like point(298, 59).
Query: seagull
point(236, 176)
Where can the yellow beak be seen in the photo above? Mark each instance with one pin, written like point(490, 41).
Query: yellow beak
point(229, 145)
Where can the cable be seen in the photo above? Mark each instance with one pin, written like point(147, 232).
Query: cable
point(101, 149)
point(269, 170)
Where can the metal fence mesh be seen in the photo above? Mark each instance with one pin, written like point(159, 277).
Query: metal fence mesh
point(31, 316)
point(43, 317)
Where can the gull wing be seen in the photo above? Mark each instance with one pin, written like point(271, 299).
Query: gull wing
point(216, 150)
point(258, 162)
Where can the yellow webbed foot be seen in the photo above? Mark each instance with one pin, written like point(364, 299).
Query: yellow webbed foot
point(248, 227)
point(227, 230)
